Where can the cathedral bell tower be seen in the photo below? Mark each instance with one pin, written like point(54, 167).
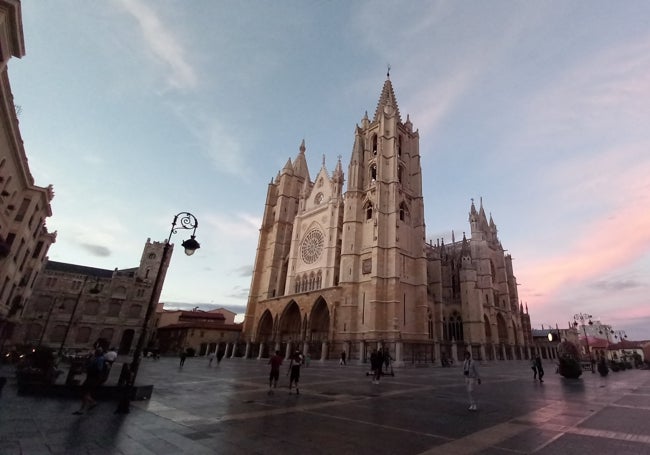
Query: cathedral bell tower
point(383, 263)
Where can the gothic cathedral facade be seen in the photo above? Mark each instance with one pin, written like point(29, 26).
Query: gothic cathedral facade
point(352, 272)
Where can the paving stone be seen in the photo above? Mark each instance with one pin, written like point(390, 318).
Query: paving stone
point(227, 410)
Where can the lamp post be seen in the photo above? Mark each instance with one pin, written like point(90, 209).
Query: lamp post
point(582, 317)
point(182, 220)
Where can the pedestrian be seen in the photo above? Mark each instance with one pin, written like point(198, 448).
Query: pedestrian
point(95, 367)
point(376, 361)
point(212, 356)
point(307, 359)
point(472, 377)
point(533, 366)
point(294, 370)
point(219, 357)
point(540, 368)
point(593, 364)
point(183, 357)
point(275, 361)
point(342, 358)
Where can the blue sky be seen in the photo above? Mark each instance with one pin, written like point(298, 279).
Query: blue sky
point(138, 110)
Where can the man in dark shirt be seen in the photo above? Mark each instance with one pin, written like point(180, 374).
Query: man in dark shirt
point(275, 361)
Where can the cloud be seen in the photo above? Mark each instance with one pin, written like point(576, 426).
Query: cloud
point(162, 43)
point(239, 292)
point(96, 250)
point(244, 271)
point(616, 285)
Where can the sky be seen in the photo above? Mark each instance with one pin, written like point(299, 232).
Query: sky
point(136, 110)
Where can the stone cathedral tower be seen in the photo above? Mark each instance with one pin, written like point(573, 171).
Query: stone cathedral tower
point(351, 271)
point(383, 266)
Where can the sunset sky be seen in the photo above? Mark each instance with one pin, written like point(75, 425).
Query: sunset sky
point(137, 110)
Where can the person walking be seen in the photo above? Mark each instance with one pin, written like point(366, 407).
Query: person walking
point(95, 369)
point(212, 356)
point(294, 371)
point(540, 368)
point(342, 358)
point(376, 361)
point(472, 377)
point(183, 357)
point(533, 366)
point(275, 361)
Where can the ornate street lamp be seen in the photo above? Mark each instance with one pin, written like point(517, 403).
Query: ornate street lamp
point(582, 317)
point(182, 220)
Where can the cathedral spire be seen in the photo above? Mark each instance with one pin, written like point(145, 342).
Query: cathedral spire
point(387, 98)
point(300, 164)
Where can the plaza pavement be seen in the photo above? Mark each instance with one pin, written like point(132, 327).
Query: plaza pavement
point(226, 409)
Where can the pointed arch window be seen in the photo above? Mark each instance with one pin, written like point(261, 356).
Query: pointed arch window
point(399, 146)
point(297, 285)
point(453, 327)
point(374, 144)
point(404, 213)
point(319, 280)
point(368, 209)
point(400, 174)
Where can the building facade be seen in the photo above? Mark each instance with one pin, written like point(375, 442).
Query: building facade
point(203, 332)
point(351, 271)
point(24, 206)
point(73, 306)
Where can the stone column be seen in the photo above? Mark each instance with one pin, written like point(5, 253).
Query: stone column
point(289, 351)
point(482, 350)
point(232, 353)
point(362, 345)
point(398, 361)
point(503, 351)
point(260, 350)
point(323, 350)
point(436, 351)
point(248, 349)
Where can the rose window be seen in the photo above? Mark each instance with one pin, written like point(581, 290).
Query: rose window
point(312, 246)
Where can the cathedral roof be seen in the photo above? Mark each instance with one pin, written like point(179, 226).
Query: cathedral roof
point(387, 98)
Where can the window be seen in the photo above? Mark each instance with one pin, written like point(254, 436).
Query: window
point(43, 304)
point(373, 172)
point(374, 144)
point(91, 308)
point(107, 334)
point(400, 173)
point(114, 307)
point(57, 334)
point(135, 311)
point(368, 209)
point(23, 209)
point(83, 335)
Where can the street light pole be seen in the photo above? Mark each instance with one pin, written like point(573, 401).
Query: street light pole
point(182, 220)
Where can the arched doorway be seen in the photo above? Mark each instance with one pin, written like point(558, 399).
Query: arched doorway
point(289, 327)
point(265, 333)
point(319, 325)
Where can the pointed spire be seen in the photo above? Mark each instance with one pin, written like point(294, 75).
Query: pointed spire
point(338, 170)
point(453, 236)
point(387, 98)
point(300, 164)
point(473, 208)
point(288, 168)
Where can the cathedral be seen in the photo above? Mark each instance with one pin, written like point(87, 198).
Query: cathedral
point(351, 271)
